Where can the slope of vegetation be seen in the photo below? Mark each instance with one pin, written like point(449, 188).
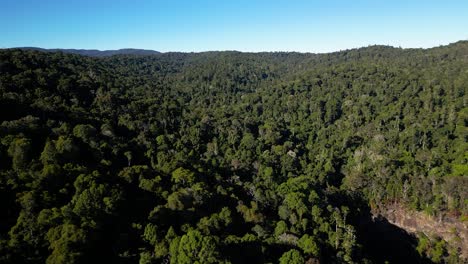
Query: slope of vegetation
point(225, 156)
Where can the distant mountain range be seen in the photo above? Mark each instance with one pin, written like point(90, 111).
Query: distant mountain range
point(145, 52)
point(97, 53)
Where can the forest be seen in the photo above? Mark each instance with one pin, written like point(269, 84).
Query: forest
point(231, 157)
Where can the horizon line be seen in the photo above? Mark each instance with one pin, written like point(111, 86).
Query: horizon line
point(240, 51)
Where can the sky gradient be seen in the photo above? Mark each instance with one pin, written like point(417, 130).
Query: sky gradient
point(255, 25)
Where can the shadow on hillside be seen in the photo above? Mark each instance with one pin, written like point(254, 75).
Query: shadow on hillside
point(384, 241)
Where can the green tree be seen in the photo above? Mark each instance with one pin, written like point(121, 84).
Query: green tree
point(19, 150)
point(68, 244)
point(292, 257)
point(193, 247)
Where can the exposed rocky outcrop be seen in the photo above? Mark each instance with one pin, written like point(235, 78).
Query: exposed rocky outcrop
point(448, 228)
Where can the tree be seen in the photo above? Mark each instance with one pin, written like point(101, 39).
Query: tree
point(18, 151)
point(183, 176)
point(308, 245)
point(194, 248)
point(292, 257)
point(68, 244)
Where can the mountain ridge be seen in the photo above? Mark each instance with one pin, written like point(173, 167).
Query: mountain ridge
point(147, 52)
point(97, 53)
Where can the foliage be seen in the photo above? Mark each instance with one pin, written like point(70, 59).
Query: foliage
point(226, 156)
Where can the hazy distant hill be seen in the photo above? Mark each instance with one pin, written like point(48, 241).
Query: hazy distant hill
point(98, 53)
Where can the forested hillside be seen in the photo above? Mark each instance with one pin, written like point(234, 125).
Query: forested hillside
point(229, 157)
point(96, 53)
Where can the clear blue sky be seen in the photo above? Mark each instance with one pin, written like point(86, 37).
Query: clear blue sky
point(245, 25)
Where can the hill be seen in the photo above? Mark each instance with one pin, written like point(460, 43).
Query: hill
point(97, 53)
point(231, 157)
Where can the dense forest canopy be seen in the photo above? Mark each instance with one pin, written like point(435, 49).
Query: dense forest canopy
point(228, 157)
